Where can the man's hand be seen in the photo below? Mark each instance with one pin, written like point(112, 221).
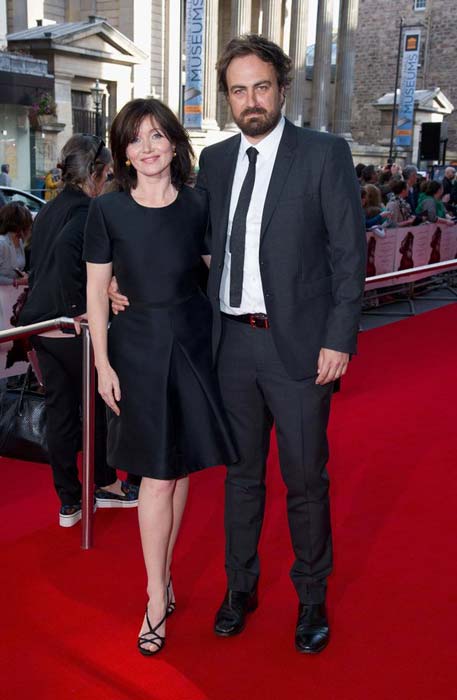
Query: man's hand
point(331, 365)
point(118, 301)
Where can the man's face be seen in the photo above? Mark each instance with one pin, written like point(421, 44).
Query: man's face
point(449, 173)
point(254, 96)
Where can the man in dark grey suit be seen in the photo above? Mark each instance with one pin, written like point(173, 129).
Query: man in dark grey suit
point(286, 280)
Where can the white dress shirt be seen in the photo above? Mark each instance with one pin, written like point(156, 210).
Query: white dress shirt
point(252, 300)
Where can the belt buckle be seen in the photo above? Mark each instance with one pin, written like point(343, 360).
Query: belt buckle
point(256, 321)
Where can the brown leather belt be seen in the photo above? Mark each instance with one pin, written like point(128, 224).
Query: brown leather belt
point(253, 320)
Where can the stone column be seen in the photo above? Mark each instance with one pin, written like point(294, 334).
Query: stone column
point(272, 20)
point(344, 83)
point(295, 105)
point(210, 80)
point(241, 17)
point(322, 66)
point(240, 24)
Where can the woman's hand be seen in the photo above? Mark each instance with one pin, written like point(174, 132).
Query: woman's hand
point(109, 388)
point(118, 301)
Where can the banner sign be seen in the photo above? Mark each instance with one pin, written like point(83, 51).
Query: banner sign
point(405, 121)
point(195, 38)
point(405, 248)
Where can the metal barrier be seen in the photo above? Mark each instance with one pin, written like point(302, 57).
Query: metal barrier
point(88, 379)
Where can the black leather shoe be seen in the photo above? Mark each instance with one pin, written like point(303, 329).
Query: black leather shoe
point(312, 633)
point(231, 616)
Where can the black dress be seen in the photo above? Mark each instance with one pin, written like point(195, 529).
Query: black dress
point(172, 420)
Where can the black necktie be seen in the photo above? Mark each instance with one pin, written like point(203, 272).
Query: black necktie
point(238, 233)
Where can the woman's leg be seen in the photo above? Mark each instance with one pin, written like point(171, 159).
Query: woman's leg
point(179, 504)
point(155, 515)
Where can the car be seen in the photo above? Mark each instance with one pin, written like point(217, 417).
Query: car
point(12, 194)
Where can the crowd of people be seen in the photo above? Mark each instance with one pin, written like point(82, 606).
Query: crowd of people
point(394, 196)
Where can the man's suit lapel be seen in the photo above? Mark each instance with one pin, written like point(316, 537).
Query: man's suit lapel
point(283, 162)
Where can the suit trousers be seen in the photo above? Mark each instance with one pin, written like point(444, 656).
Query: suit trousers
point(257, 393)
point(61, 365)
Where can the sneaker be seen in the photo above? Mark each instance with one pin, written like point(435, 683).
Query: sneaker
point(129, 499)
point(70, 515)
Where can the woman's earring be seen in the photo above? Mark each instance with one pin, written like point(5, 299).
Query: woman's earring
point(128, 163)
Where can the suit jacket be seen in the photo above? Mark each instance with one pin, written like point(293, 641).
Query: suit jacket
point(312, 248)
point(57, 277)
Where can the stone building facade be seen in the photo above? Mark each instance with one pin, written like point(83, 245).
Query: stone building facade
point(376, 54)
point(339, 77)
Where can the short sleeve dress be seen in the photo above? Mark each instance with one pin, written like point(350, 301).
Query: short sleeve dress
point(172, 420)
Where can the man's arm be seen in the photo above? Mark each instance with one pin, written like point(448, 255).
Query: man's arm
point(345, 225)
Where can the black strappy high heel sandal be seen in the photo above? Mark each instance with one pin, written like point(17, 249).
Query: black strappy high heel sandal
point(151, 637)
point(171, 604)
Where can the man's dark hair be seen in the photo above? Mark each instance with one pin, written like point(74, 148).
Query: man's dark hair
point(398, 187)
point(359, 169)
point(368, 172)
point(263, 48)
point(125, 128)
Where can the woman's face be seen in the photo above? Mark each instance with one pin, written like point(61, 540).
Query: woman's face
point(150, 152)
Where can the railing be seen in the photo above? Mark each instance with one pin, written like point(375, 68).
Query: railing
point(88, 380)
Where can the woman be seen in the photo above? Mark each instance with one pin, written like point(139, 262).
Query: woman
point(15, 226)
point(58, 288)
point(430, 203)
point(155, 374)
point(398, 207)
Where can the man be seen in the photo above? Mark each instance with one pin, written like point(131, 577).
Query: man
point(286, 281)
point(5, 178)
point(287, 273)
point(450, 190)
point(410, 177)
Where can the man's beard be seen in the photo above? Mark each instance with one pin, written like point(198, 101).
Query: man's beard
point(265, 122)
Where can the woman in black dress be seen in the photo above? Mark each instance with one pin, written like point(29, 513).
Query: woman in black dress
point(154, 364)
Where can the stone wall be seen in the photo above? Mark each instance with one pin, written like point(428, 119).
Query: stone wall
point(376, 54)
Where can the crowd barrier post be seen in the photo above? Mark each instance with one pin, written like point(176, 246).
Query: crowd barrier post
point(88, 439)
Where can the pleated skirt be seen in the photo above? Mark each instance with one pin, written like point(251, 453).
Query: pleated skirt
point(172, 421)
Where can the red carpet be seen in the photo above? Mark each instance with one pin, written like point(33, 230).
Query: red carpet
point(70, 618)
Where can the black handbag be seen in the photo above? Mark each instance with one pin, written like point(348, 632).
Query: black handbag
point(23, 423)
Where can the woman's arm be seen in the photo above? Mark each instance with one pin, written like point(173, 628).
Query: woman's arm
point(98, 279)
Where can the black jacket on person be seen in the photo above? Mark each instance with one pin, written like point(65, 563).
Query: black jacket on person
point(57, 278)
point(312, 253)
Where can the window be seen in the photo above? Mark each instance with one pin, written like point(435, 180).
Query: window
point(420, 4)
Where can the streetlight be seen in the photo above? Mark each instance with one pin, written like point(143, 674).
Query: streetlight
point(97, 96)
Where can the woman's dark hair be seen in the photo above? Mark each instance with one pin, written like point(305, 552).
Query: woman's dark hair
point(125, 128)
point(398, 186)
point(432, 188)
point(83, 156)
point(263, 48)
point(14, 218)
